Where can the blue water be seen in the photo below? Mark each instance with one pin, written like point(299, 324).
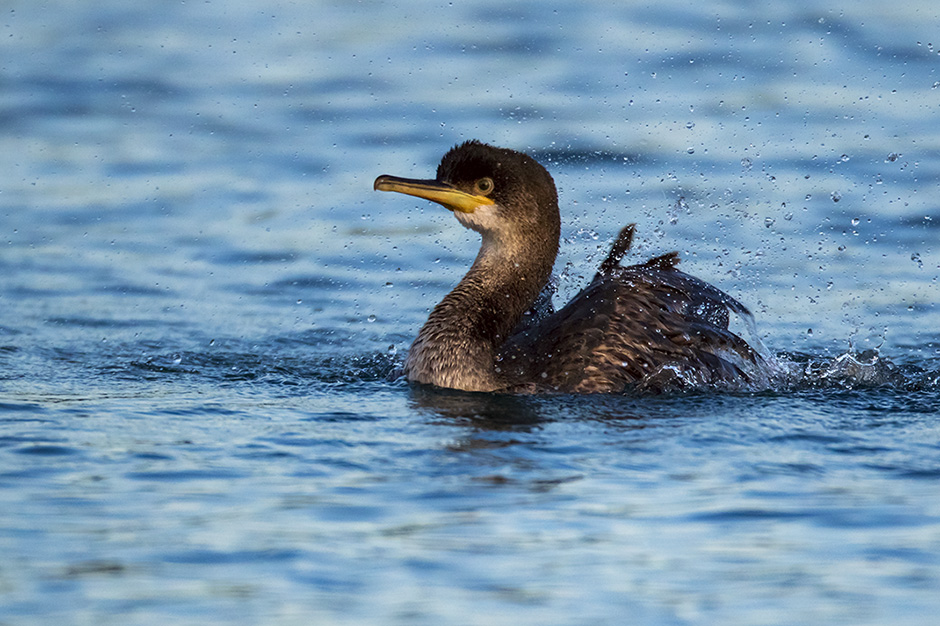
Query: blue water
point(201, 301)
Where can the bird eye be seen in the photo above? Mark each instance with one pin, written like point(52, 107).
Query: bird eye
point(484, 185)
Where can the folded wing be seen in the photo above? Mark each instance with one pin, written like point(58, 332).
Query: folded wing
point(648, 327)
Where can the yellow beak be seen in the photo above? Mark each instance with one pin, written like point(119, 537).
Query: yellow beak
point(443, 193)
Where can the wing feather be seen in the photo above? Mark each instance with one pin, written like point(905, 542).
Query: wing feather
point(647, 326)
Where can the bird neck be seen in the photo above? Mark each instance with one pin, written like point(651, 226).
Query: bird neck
point(458, 345)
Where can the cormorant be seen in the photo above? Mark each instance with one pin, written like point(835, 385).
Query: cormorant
point(646, 327)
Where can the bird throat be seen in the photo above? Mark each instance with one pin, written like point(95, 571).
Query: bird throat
point(457, 347)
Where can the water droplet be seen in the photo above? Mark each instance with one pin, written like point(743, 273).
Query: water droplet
point(836, 196)
point(916, 258)
point(855, 221)
point(809, 331)
point(746, 163)
point(690, 150)
point(891, 158)
point(844, 158)
point(690, 125)
point(768, 222)
point(586, 233)
point(788, 216)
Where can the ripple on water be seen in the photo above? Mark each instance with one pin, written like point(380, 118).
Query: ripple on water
point(17, 410)
point(185, 475)
point(46, 449)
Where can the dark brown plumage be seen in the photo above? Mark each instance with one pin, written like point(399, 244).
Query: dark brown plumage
point(646, 327)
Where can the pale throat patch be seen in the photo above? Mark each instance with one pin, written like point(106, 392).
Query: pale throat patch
point(485, 218)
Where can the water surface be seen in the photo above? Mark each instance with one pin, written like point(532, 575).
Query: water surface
point(201, 301)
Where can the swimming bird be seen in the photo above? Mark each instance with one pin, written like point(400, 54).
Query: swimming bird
point(646, 327)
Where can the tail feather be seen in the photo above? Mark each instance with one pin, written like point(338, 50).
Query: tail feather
point(617, 251)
